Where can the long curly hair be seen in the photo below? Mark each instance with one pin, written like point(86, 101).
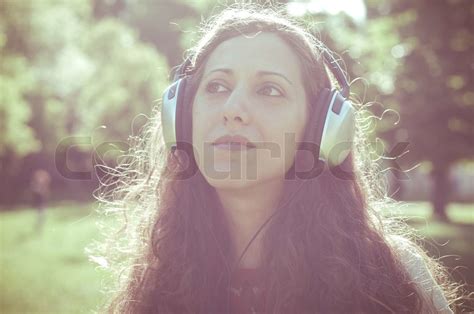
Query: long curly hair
point(328, 249)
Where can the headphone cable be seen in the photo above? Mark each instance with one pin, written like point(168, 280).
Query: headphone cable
point(277, 211)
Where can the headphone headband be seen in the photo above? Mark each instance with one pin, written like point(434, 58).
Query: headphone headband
point(337, 71)
point(180, 70)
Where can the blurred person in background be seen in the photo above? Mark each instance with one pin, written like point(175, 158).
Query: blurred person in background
point(40, 188)
point(196, 241)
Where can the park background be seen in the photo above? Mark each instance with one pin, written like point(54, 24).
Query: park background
point(79, 77)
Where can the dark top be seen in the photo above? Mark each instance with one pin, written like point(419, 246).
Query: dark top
point(247, 295)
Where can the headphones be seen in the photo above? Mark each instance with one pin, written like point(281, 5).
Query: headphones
point(335, 126)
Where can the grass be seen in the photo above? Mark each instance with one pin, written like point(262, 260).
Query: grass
point(49, 272)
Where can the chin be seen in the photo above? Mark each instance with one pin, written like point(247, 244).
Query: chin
point(225, 175)
point(232, 184)
point(231, 180)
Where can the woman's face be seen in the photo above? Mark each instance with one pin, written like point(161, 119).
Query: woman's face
point(251, 87)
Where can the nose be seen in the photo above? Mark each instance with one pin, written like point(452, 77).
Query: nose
point(235, 109)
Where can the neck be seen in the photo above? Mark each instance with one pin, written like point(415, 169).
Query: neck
point(246, 210)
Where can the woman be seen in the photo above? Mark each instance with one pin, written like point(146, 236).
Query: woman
point(245, 220)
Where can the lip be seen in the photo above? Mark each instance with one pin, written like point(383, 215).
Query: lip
point(233, 142)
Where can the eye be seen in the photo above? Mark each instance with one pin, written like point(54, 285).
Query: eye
point(214, 87)
point(270, 90)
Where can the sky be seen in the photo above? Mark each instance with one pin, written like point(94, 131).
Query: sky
point(354, 8)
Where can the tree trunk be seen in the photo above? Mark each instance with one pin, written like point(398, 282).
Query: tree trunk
point(440, 192)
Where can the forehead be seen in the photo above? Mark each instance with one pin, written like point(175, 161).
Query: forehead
point(263, 51)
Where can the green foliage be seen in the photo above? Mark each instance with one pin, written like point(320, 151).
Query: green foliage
point(368, 47)
point(127, 79)
point(15, 79)
point(160, 23)
point(434, 83)
point(63, 73)
point(417, 59)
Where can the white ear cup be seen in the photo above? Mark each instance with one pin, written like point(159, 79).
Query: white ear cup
point(169, 112)
point(338, 133)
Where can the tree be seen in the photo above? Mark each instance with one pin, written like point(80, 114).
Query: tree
point(434, 85)
point(417, 58)
point(56, 84)
point(161, 23)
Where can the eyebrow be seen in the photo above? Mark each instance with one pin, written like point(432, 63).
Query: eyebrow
point(259, 73)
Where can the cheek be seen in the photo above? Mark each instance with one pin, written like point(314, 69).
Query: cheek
point(198, 134)
point(203, 121)
point(282, 137)
point(291, 139)
point(199, 116)
point(293, 136)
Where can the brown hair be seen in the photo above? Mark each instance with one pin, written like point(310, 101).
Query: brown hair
point(327, 250)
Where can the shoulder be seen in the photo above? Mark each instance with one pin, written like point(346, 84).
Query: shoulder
point(414, 262)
